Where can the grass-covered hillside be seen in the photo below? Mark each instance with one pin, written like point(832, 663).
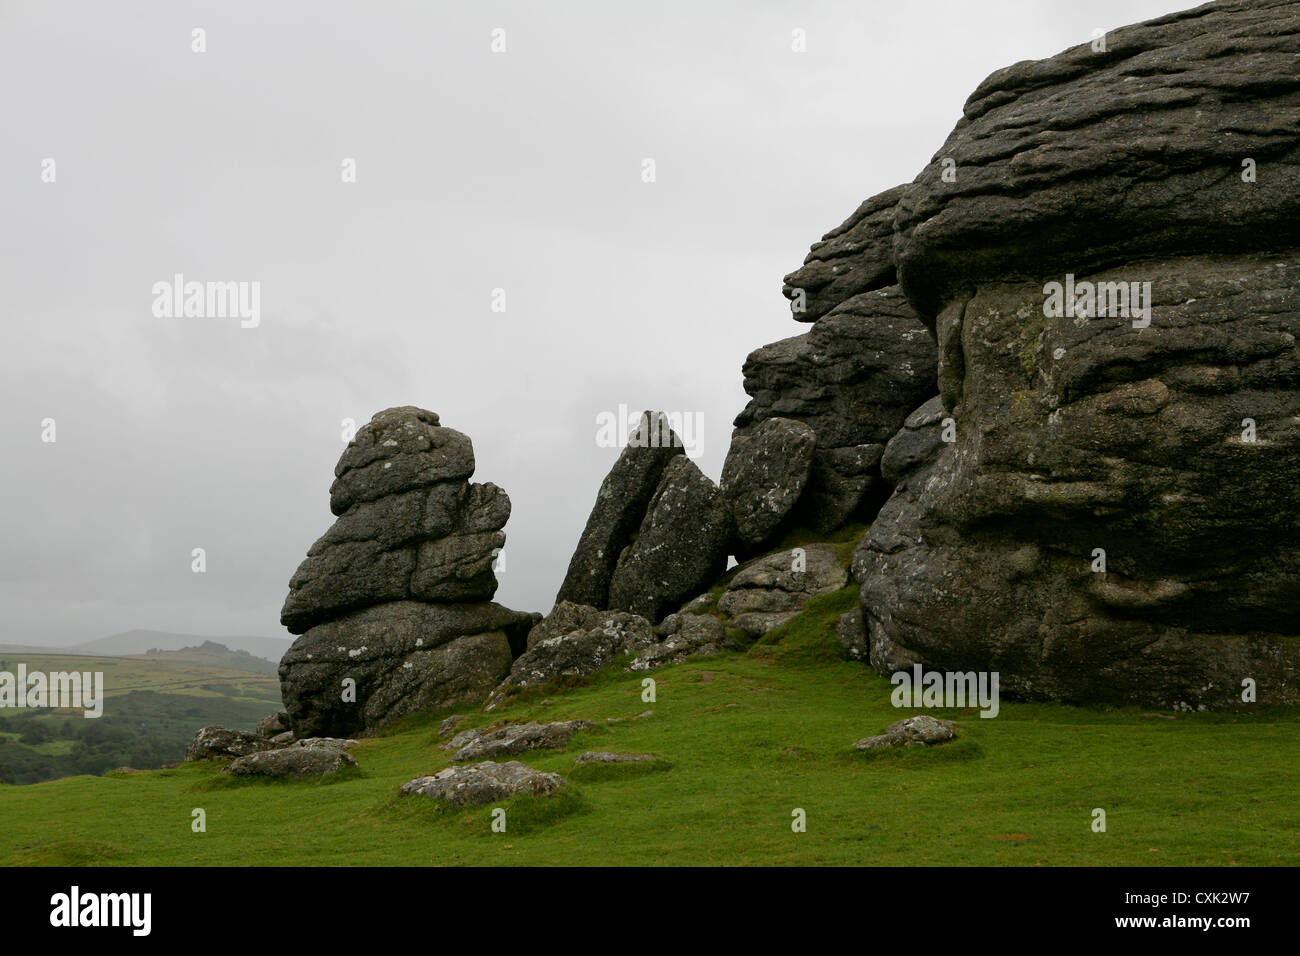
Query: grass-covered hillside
point(743, 740)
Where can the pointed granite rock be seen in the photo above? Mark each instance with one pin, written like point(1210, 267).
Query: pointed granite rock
point(619, 510)
point(681, 547)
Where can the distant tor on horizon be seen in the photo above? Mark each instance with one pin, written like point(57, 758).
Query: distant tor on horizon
point(140, 641)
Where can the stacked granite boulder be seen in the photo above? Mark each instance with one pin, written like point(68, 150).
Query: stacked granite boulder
point(393, 602)
point(1117, 517)
point(824, 403)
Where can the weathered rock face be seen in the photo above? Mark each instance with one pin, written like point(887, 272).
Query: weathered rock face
point(916, 443)
point(854, 257)
point(1093, 159)
point(1122, 449)
point(763, 477)
point(1079, 434)
point(620, 507)
point(1097, 503)
point(681, 547)
point(852, 379)
point(392, 601)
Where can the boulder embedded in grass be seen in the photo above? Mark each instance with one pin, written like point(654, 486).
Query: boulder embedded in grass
point(215, 742)
point(307, 758)
point(484, 782)
point(516, 738)
point(600, 756)
point(920, 731)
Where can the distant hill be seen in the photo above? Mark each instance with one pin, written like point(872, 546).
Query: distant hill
point(212, 654)
point(142, 641)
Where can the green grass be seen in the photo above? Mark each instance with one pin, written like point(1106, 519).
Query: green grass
point(742, 740)
point(618, 771)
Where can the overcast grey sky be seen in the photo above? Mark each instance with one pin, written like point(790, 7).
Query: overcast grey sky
point(474, 170)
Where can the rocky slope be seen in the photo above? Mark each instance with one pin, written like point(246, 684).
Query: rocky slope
point(1057, 374)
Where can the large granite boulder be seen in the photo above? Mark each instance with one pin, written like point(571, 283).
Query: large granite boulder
point(1097, 536)
point(764, 475)
point(403, 657)
point(392, 601)
point(681, 547)
point(619, 510)
point(1117, 518)
point(399, 449)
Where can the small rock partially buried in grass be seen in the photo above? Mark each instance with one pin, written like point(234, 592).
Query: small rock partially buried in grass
point(919, 731)
point(484, 782)
point(313, 757)
point(447, 726)
point(215, 742)
point(596, 756)
point(516, 738)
